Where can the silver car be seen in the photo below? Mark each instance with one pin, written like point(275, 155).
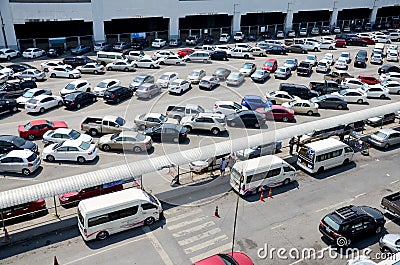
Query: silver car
point(125, 140)
point(20, 161)
point(235, 79)
point(209, 82)
point(147, 90)
point(390, 243)
point(121, 66)
point(34, 74)
point(385, 138)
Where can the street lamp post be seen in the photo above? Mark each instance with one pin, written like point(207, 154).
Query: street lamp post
point(236, 213)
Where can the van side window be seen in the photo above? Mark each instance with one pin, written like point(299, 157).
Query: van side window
point(148, 206)
point(98, 220)
point(287, 169)
point(273, 172)
point(348, 150)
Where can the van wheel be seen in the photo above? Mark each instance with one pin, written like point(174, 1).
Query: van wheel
point(137, 149)
point(50, 158)
point(26, 172)
point(286, 181)
point(320, 170)
point(149, 221)
point(309, 113)
point(346, 161)
point(102, 235)
point(106, 147)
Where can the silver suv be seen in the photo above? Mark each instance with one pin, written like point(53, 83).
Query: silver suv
point(213, 122)
point(20, 161)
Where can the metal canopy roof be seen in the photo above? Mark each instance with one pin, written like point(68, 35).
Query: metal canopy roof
point(90, 179)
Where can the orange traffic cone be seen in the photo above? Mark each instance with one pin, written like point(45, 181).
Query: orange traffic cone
point(270, 193)
point(216, 214)
point(262, 196)
point(55, 261)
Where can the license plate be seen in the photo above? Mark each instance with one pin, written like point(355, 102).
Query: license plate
point(304, 163)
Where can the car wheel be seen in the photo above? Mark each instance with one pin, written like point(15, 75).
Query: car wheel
point(50, 158)
point(34, 79)
point(26, 172)
point(151, 66)
point(81, 159)
point(232, 124)
point(215, 131)
point(71, 76)
point(137, 149)
point(14, 109)
point(386, 250)
point(285, 119)
point(360, 101)
point(330, 48)
point(289, 50)
point(31, 137)
point(126, 69)
point(41, 110)
point(102, 235)
point(386, 146)
point(106, 147)
point(188, 128)
point(53, 75)
point(340, 106)
point(175, 139)
point(309, 113)
point(346, 161)
point(149, 221)
point(93, 132)
point(273, 102)
point(8, 58)
point(95, 72)
point(286, 181)
point(382, 96)
point(315, 49)
point(320, 170)
point(60, 103)
point(378, 230)
point(256, 125)
point(398, 92)
point(78, 106)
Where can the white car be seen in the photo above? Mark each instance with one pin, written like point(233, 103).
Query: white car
point(329, 45)
point(64, 71)
point(162, 54)
point(301, 106)
point(280, 97)
point(122, 65)
point(6, 71)
point(392, 56)
point(76, 85)
point(225, 38)
point(391, 76)
point(158, 43)
point(146, 63)
point(228, 107)
point(353, 83)
point(72, 150)
point(104, 85)
point(323, 66)
point(392, 86)
point(312, 59)
point(8, 54)
point(166, 79)
point(392, 47)
point(375, 91)
point(303, 32)
point(33, 74)
point(312, 46)
point(31, 93)
point(91, 68)
point(42, 103)
point(345, 56)
point(248, 69)
point(61, 134)
point(341, 64)
point(179, 86)
point(196, 75)
point(46, 66)
point(329, 58)
point(209, 82)
point(377, 59)
point(382, 39)
point(224, 48)
point(33, 53)
point(171, 60)
point(352, 95)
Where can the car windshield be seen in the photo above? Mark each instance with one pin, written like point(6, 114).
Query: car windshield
point(74, 134)
point(139, 79)
point(102, 85)
point(385, 83)
point(380, 134)
point(340, 61)
point(195, 73)
point(290, 61)
point(328, 57)
point(68, 69)
point(164, 77)
point(343, 92)
point(28, 94)
point(18, 142)
point(247, 66)
point(57, 145)
point(32, 157)
point(162, 118)
point(70, 87)
point(140, 137)
point(269, 63)
point(345, 55)
point(310, 57)
point(115, 135)
point(84, 146)
point(27, 126)
point(235, 75)
point(321, 97)
point(120, 121)
point(259, 72)
point(335, 226)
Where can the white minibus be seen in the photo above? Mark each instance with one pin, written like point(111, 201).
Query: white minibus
point(253, 175)
point(324, 154)
point(109, 57)
point(101, 216)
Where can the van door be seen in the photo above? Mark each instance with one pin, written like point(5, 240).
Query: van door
point(274, 177)
point(288, 173)
point(149, 210)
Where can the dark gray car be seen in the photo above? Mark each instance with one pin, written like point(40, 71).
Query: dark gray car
point(330, 102)
point(222, 73)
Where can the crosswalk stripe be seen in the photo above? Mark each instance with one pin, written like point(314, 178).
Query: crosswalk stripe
point(205, 244)
point(199, 237)
point(221, 249)
point(182, 224)
point(176, 218)
point(193, 229)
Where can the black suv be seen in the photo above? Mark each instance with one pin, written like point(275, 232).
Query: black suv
point(301, 91)
point(77, 61)
point(8, 105)
point(117, 94)
point(386, 69)
point(55, 51)
point(361, 59)
point(16, 88)
point(77, 99)
point(350, 223)
point(219, 55)
point(139, 43)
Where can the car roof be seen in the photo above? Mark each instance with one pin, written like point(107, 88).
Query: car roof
point(388, 131)
point(75, 82)
point(74, 143)
point(19, 153)
point(8, 138)
point(38, 122)
point(211, 115)
point(224, 102)
point(207, 77)
point(63, 130)
point(271, 60)
point(129, 133)
point(153, 115)
point(170, 73)
point(251, 97)
point(109, 80)
point(42, 96)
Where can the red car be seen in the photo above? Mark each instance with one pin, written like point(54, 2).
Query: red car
point(36, 129)
point(270, 65)
point(238, 258)
point(74, 197)
point(368, 79)
point(30, 209)
point(277, 112)
point(185, 51)
point(340, 43)
point(368, 40)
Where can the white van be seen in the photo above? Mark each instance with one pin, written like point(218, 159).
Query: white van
point(101, 216)
point(250, 176)
point(105, 58)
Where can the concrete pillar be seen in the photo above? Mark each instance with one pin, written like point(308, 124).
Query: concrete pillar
point(98, 21)
point(7, 26)
point(374, 12)
point(173, 30)
point(289, 18)
point(236, 22)
point(334, 16)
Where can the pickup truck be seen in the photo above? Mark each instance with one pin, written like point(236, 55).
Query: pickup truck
point(241, 53)
point(326, 87)
point(338, 76)
point(107, 124)
point(304, 68)
point(391, 204)
point(178, 112)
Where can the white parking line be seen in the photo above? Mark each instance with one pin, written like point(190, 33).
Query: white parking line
point(156, 244)
point(393, 182)
point(359, 195)
point(220, 249)
point(334, 206)
point(193, 229)
point(199, 237)
point(18, 178)
point(176, 218)
point(182, 224)
point(275, 227)
point(205, 244)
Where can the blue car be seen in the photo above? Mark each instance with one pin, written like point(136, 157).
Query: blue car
point(254, 102)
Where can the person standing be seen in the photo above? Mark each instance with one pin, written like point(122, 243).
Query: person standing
point(223, 167)
point(291, 145)
point(298, 143)
point(231, 163)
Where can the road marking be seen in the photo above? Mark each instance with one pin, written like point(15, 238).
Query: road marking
point(18, 178)
point(195, 220)
point(393, 182)
point(309, 256)
point(57, 164)
point(217, 250)
point(359, 195)
point(364, 165)
point(334, 206)
point(156, 244)
point(104, 250)
point(387, 175)
point(193, 229)
point(205, 244)
point(176, 218)
point(275, 227)
point(199, 237)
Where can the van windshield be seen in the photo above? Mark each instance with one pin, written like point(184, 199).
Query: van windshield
point(235, 174)
point(80, 217)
